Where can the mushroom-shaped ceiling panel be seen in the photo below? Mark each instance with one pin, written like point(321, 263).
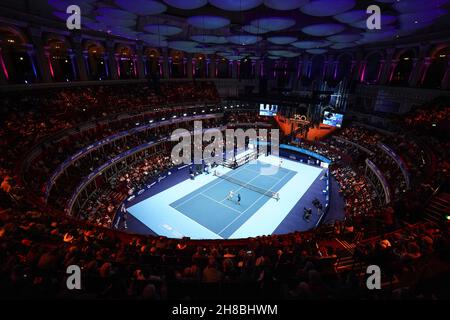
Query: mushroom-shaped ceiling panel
point(186, 4)
point(323, 8)
point(142, 7)
point(202, 38)
point(243, 39)
point(110, 21)
point(284, 53)
point(411, 6)
point(285, 4)
point(163, 29)
point(344, 37)
point(280, 40)
point(115, 13)
point(311, 44)
point(255, 30)
point(317, 51)
point(208, 22)
point(235, 5)
point(351, 16)
point(273, 23)
point(325, 29)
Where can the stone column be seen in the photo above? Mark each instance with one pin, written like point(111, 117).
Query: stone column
point(41, 58)
point(73, 63)
point(415, 73)
point(445, 83)
point(86, 64)
point(211, 67)
point(79, 58)
point(380, 70)
point(423, 70)
point(112, 63)
point(394, 64)
point(4, 76)
point(385, 72)
point(165, 63)
point(116, 58)
point(30, 53)
point(189, 66)
point(140, 61)
point(362, 70)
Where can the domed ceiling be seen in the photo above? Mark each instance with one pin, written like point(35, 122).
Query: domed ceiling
point(275, 28)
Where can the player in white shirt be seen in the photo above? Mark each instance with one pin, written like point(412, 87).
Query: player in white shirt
point(230, 195)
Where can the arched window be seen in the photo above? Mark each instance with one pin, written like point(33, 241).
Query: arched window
point(403, 69)
point(61, 61)
point(16, 59)
point(317, 67)
point(177, 64)
point(96, 66)
point(436, 70)
point(373, 68)
point(344, 67)
point(126, 67)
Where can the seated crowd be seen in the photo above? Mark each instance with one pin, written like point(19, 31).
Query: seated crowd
point(38, 244)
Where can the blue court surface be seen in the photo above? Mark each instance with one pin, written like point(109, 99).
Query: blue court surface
point(200, 208)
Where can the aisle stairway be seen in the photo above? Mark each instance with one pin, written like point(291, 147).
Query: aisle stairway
point(438, 208)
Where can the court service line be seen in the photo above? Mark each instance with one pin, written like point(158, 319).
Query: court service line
point(219, 202)
point(254, 171)
point(251, 205)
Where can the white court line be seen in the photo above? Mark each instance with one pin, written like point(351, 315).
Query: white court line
point(195, 195)
point(220, 202)
point(252, 205)
point(241, 187)
point(254, 171)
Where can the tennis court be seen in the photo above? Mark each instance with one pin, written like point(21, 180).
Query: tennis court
point(198, 208)
point(210, 207)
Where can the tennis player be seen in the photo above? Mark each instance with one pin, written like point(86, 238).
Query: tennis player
point(230, 195)
point(238, 199)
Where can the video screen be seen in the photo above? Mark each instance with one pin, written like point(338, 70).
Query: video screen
point(266, 109)
point(333, 119)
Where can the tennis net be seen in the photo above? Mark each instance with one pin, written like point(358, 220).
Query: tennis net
point(241, 159)
point(249, 186)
